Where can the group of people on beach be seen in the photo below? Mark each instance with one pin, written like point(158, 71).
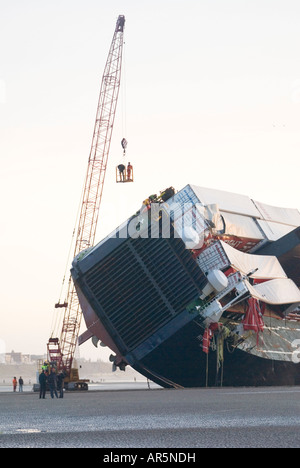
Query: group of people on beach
point(15, 383)
point(55, 382)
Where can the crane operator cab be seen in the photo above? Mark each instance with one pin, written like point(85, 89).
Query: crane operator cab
point(124, 171)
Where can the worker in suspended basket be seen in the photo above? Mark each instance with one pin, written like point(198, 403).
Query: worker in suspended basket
point(121, 169)
point(129, 171)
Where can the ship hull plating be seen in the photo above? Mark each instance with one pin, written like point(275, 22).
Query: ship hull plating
point(180, 362)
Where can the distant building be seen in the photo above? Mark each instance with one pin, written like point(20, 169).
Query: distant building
point(16, 358)
point(19, 358)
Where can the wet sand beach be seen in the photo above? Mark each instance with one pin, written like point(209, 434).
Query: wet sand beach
point(158, 418)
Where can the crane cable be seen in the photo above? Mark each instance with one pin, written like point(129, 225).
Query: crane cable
point(123, 92)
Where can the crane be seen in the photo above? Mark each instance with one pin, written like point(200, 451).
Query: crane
point(61, 350)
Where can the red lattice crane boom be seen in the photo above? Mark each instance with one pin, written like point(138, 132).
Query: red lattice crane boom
point(62, 350)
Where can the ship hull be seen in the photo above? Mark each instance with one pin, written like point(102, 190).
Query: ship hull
point(180, 362)
point(173, 357)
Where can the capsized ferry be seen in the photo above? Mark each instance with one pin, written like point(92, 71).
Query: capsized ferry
point(199, 288)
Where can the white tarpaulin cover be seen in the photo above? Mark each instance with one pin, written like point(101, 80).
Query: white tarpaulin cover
point(241, 226)
point(274, 231)
point(241, 204)
point(227, 201)
point(288, 216)
point(268, 266)
point(277, 291)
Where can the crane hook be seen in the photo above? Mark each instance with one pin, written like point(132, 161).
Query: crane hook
point(124, 144)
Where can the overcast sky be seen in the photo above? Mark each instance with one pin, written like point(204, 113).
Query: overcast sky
point(210, 96)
